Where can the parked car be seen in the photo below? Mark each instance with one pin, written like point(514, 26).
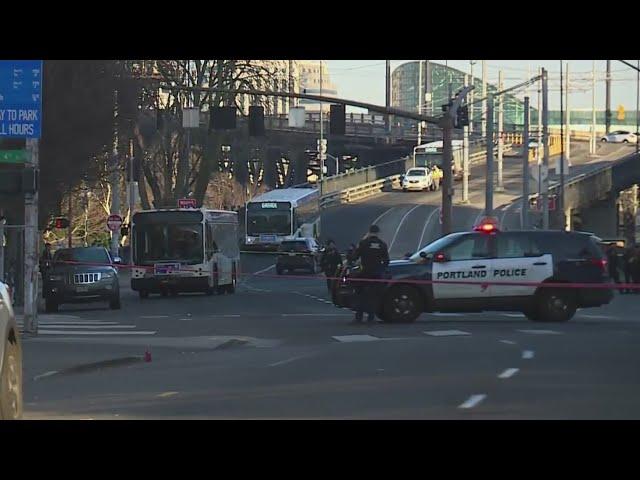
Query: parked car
point(417, 178)
point(620, 136)
point(298, 254)
point(10, 360)
point(80, 275)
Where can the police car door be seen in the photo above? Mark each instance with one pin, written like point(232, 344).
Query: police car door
point(518, 259)
point(467, 260)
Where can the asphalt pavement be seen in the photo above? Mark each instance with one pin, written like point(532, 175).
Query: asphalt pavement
point(278, 348)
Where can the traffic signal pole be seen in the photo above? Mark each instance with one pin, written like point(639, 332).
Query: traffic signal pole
point(525, 167)
point(31, 247)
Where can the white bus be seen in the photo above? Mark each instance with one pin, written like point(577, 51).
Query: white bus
point(185, 250)
point(280, 214)
point(429, 154)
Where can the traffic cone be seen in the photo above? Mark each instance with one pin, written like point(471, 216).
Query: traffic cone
point(147, 355)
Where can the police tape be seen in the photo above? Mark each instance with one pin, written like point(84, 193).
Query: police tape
point(390, 281)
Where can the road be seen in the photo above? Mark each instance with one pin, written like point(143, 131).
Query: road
point(278, 348)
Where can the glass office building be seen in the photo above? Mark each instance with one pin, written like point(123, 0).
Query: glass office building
point(439, 83)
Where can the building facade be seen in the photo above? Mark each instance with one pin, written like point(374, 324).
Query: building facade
point(438, 84)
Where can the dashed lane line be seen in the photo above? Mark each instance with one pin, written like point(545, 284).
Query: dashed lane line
point(527, 354)
point(472, 401)
point(508, 342)
point(509, 372)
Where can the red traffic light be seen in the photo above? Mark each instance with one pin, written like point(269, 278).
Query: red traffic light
point(61, 222)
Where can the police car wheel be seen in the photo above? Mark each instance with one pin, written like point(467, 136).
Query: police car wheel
point(402, 305)
point(556, 306)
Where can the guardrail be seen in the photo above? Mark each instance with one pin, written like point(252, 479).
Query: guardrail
point(361, 191)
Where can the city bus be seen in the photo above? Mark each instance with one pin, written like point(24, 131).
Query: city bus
point(429, 154)
point(184, 250)
point(280, 214)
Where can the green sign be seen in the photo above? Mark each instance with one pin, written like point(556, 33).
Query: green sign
point(13, 156)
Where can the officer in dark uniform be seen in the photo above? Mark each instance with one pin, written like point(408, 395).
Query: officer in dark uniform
point(330, 262)
point(374, 258)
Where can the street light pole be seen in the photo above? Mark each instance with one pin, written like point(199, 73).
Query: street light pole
point(419, 100)
point(471, 95)
point(484, 101)
point(525, 167)
point(637, 104)
point(607, 118)
point(500, 186)
point(545, 159)
point(488, 199)
point(592, 144)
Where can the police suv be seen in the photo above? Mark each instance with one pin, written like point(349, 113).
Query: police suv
point(490, 270)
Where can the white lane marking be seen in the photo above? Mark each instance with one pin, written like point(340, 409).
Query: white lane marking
point(380, 217)
point(227, 315)
point(442, 314)
point(89, 327)
point(446, 333)
point(600, 317)
point(167, 394)
point(541, 332)
point(315, 315)
point(264, 270)
point(527, 354)
point(154, 316)
point(185, 319)
point(355, 338)
point(424, 229)
point(513, 315)
point(509, 372)
point(289, 360)
point(46, 374)
point(395, 235)
point(473, 400)
point(508, 342)
point(78, 324)
point(84, 332)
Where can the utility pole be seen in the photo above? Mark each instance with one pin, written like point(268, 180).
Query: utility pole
point(637, 108)
point(70, 218)
point(545, 159)
point(292, 101)
point(592, 144)
point(539, 135)
point(525, 167)
point(607, 119)
point(500, 186)
point(465, 148)
point(420, 100)
point(321, 130)
point(447, 124)
point(31, 245)
point(132, 198)
point(472, 95)
point(115, 177)
point(484, 101)
point(387, 118)
point(563, 142)
point(567, 153)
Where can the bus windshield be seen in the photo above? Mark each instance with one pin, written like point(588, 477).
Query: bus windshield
point(160, 240)
point(269, 218)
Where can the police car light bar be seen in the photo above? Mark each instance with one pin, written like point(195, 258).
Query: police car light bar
point(487, 225)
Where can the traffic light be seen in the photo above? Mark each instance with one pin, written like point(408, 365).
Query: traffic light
point(61, 223)
point(222, 118)
point(337, 120)
point(256, 121)
point(462, 118)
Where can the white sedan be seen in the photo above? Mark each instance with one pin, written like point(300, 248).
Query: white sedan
point(620, 136)
point(417, 178)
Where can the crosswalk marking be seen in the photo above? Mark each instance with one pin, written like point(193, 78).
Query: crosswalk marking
point(446, 333)
point(355, 338)
point(541, 332)
point(92, 332)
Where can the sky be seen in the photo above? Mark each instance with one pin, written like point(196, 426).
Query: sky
point(364, 80)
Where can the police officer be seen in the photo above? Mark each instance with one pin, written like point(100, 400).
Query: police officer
point(374, 258)
point(330, 262)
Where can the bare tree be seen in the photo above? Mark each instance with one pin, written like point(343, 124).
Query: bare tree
point(172, 167)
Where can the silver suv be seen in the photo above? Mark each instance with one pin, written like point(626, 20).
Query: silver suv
point(10, 360)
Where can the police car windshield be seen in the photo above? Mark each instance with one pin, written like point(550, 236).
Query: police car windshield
point(416, 173)
point(437, 246)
